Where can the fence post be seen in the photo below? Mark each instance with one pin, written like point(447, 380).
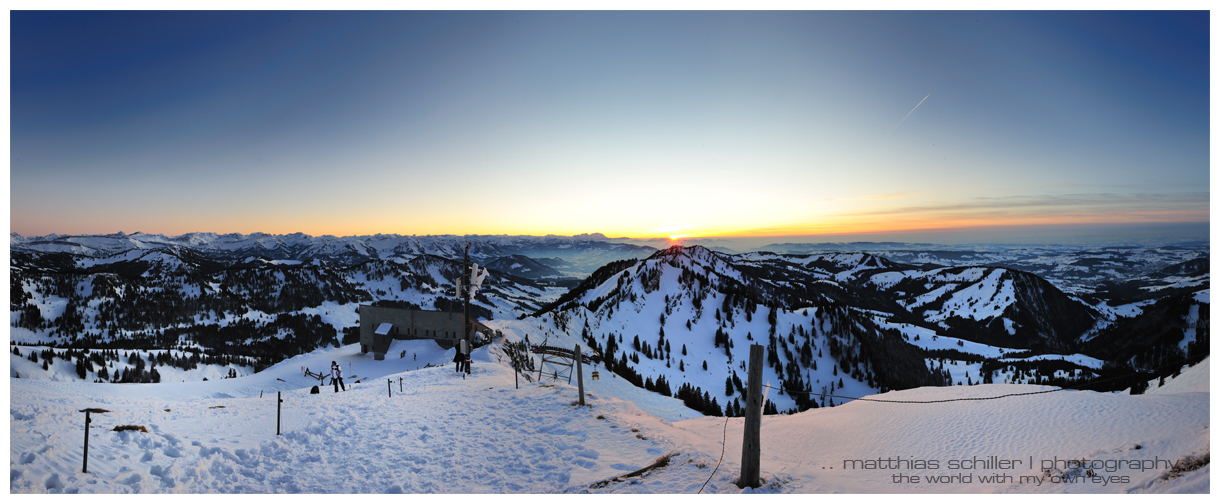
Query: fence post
point(580, 376)
point(750, 446)
point(389, 389)
point(400, 382)
point(278, 400)
point(85, 465)
point(516, 372)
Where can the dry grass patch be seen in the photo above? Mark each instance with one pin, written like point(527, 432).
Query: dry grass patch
point(661, 461)
point(1187, 464)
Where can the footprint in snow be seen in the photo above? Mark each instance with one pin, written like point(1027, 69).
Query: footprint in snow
point(53, 484)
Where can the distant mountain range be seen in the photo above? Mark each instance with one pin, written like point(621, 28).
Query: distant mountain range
point(578, 255)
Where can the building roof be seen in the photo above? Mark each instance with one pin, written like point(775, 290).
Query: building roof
point(384, 328)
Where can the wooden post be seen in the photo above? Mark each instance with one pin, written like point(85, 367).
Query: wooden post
point(516, 373)
point(580, 377)
point(389, 389)
point(278, 400)
point(750, 444)
point(466, 308)
point(85, 465)
point(400, 382)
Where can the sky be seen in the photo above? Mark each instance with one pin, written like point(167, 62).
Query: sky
point(632, 124)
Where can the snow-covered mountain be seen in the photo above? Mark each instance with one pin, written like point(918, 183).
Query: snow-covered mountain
point(1077, 270)
point(268, 309)
point(685, 318)
point(855, 323)
point(670, 333)
point(884, 323)
point(580, 254)
point(527, 267)
point(995, 306)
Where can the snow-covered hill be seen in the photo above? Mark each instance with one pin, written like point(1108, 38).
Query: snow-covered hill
point(689, 315)
point(257, 306)
point(996, 306)
point(838, 324)
point(1196, 378)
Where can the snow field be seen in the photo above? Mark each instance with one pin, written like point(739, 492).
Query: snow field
point(446, 434)
point(443, 434)
point(65, 369)
point(809, 449)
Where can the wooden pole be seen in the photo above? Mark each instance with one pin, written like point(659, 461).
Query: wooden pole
point(516, 373)
point(389, 387)
point(466, 307)
point(85, 465)
point(580, 376)
point(278, 401)
point(750, 444)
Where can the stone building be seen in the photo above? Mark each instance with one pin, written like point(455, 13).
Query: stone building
point(380, 325)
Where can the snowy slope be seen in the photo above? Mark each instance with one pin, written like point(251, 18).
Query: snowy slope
point(679, 293)
point(1195, 378)
point(447, 434)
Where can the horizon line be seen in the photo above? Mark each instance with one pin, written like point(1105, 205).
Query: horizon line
point(916, 236)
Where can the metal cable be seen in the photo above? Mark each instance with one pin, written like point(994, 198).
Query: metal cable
point(722, 442)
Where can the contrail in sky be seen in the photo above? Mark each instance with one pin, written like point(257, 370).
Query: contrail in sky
point(908, 114)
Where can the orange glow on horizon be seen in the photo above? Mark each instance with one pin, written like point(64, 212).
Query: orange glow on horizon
point(915, 226)
point(862, 225)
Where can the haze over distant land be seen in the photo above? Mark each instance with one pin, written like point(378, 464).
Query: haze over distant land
point(914, 126)
point(1071, 236)
point(1097, 235)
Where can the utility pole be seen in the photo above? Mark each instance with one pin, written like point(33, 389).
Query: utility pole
point(466, 303)
point(472, 287)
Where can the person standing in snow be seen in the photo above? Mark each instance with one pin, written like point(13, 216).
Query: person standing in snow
point(458, 358)
point(336, 376)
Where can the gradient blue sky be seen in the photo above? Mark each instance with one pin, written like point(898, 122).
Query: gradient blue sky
point(635, 124)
